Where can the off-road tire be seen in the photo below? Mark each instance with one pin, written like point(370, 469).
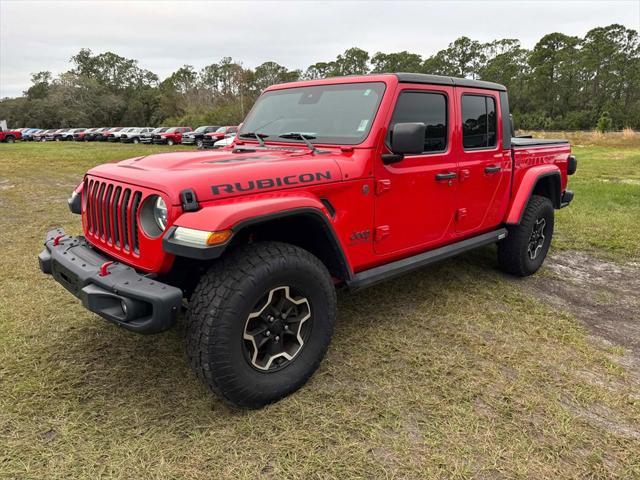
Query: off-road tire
point(513, 254)
point(221, 304)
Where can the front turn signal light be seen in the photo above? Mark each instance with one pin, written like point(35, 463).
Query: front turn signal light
point(201, 238)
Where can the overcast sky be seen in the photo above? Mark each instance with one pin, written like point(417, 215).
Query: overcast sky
point(163, 35)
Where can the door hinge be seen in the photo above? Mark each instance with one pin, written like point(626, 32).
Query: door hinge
point(460, 214)
point(382, 186)
point(381, 232)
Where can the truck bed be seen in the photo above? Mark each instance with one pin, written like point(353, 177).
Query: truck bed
point(525, 142)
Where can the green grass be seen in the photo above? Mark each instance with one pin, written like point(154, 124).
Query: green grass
point(455, 371)
point(605, 215)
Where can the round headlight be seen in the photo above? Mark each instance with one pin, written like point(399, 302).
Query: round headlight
point(160, 213)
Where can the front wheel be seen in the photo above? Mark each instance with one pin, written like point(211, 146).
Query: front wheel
point(10, 139)
point(260, 322)
point(136, 140)
point(170, 141)
point(527, 243)
point(199, 143)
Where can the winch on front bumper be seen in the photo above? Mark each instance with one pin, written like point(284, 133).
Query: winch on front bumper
point(113, 290)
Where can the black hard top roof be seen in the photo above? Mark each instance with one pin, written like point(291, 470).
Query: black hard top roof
point(443, 80)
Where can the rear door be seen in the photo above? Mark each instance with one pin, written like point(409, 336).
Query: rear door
point(484, 167)
point(415, 198)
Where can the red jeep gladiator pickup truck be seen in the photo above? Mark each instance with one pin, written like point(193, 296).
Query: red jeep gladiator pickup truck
point(341, 181)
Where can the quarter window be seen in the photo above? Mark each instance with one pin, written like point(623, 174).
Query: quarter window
point(427, 108)
point(478, 121)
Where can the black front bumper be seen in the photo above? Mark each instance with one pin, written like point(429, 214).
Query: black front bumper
point(117, 293)
point(567, 197)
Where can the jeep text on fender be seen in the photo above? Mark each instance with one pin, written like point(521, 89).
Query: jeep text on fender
point(341, 181)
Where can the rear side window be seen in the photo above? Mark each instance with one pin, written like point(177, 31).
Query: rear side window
point(424, 107)
point(478, 121)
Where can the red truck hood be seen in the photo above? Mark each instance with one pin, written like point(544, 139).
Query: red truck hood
point(223, 174)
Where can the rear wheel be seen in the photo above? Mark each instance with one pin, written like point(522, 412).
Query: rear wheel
point(527, 243)
point(260, 322)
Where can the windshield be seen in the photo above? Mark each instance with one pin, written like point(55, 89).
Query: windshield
point(171, 130)
point(159, 129)
point(200, 129)
point(221, 130)
point(340, 114)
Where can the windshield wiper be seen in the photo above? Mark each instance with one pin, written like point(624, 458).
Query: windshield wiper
point(301, 136)
point(258, 136)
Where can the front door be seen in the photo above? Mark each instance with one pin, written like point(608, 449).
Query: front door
point(415, 198)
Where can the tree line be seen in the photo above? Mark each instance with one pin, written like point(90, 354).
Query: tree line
point(563, 82)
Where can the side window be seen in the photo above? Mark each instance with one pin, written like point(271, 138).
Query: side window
point(427, 108)
point(478, 121)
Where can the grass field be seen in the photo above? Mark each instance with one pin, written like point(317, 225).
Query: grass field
point(456, 371)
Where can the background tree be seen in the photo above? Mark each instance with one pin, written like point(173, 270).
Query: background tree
point(563, 82)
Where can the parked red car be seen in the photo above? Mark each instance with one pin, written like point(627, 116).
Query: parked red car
point(9, 136)
point(339, 181)
point(209, 140)
point(171, 136)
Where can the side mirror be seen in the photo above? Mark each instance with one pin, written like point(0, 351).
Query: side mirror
point(406, 138)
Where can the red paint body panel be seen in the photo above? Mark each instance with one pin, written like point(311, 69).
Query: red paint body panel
point(382, 212)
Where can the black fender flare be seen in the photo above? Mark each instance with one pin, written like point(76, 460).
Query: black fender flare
point(170, 245)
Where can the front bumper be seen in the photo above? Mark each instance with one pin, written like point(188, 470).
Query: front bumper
point(567, 197)
point(159, 141)
point(188, 141)
point(114, 291)
point(210, 142)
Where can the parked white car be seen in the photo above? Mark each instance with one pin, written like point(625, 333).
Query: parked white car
point(134, 134)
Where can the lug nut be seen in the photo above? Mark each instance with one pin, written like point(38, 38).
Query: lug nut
point(277, 339)
point(270, 318)
point(286, 327)
point(268, 333)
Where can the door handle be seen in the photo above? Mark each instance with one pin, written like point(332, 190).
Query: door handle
point(492, 169)
point(440, 177)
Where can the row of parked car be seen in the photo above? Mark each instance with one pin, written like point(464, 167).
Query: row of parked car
point(206, 136)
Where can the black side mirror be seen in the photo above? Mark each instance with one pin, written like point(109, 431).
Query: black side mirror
point(406, 138)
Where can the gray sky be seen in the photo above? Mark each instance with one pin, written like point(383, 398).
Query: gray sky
point(165, 34)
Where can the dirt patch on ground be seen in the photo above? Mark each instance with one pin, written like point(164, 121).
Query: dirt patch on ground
point(605, 296)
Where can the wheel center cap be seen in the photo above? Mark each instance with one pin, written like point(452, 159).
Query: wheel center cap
point(277, 327)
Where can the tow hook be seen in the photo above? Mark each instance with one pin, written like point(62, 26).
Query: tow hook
point(103, 268)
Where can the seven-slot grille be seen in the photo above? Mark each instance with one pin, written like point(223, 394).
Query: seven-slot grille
point(112, 214)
